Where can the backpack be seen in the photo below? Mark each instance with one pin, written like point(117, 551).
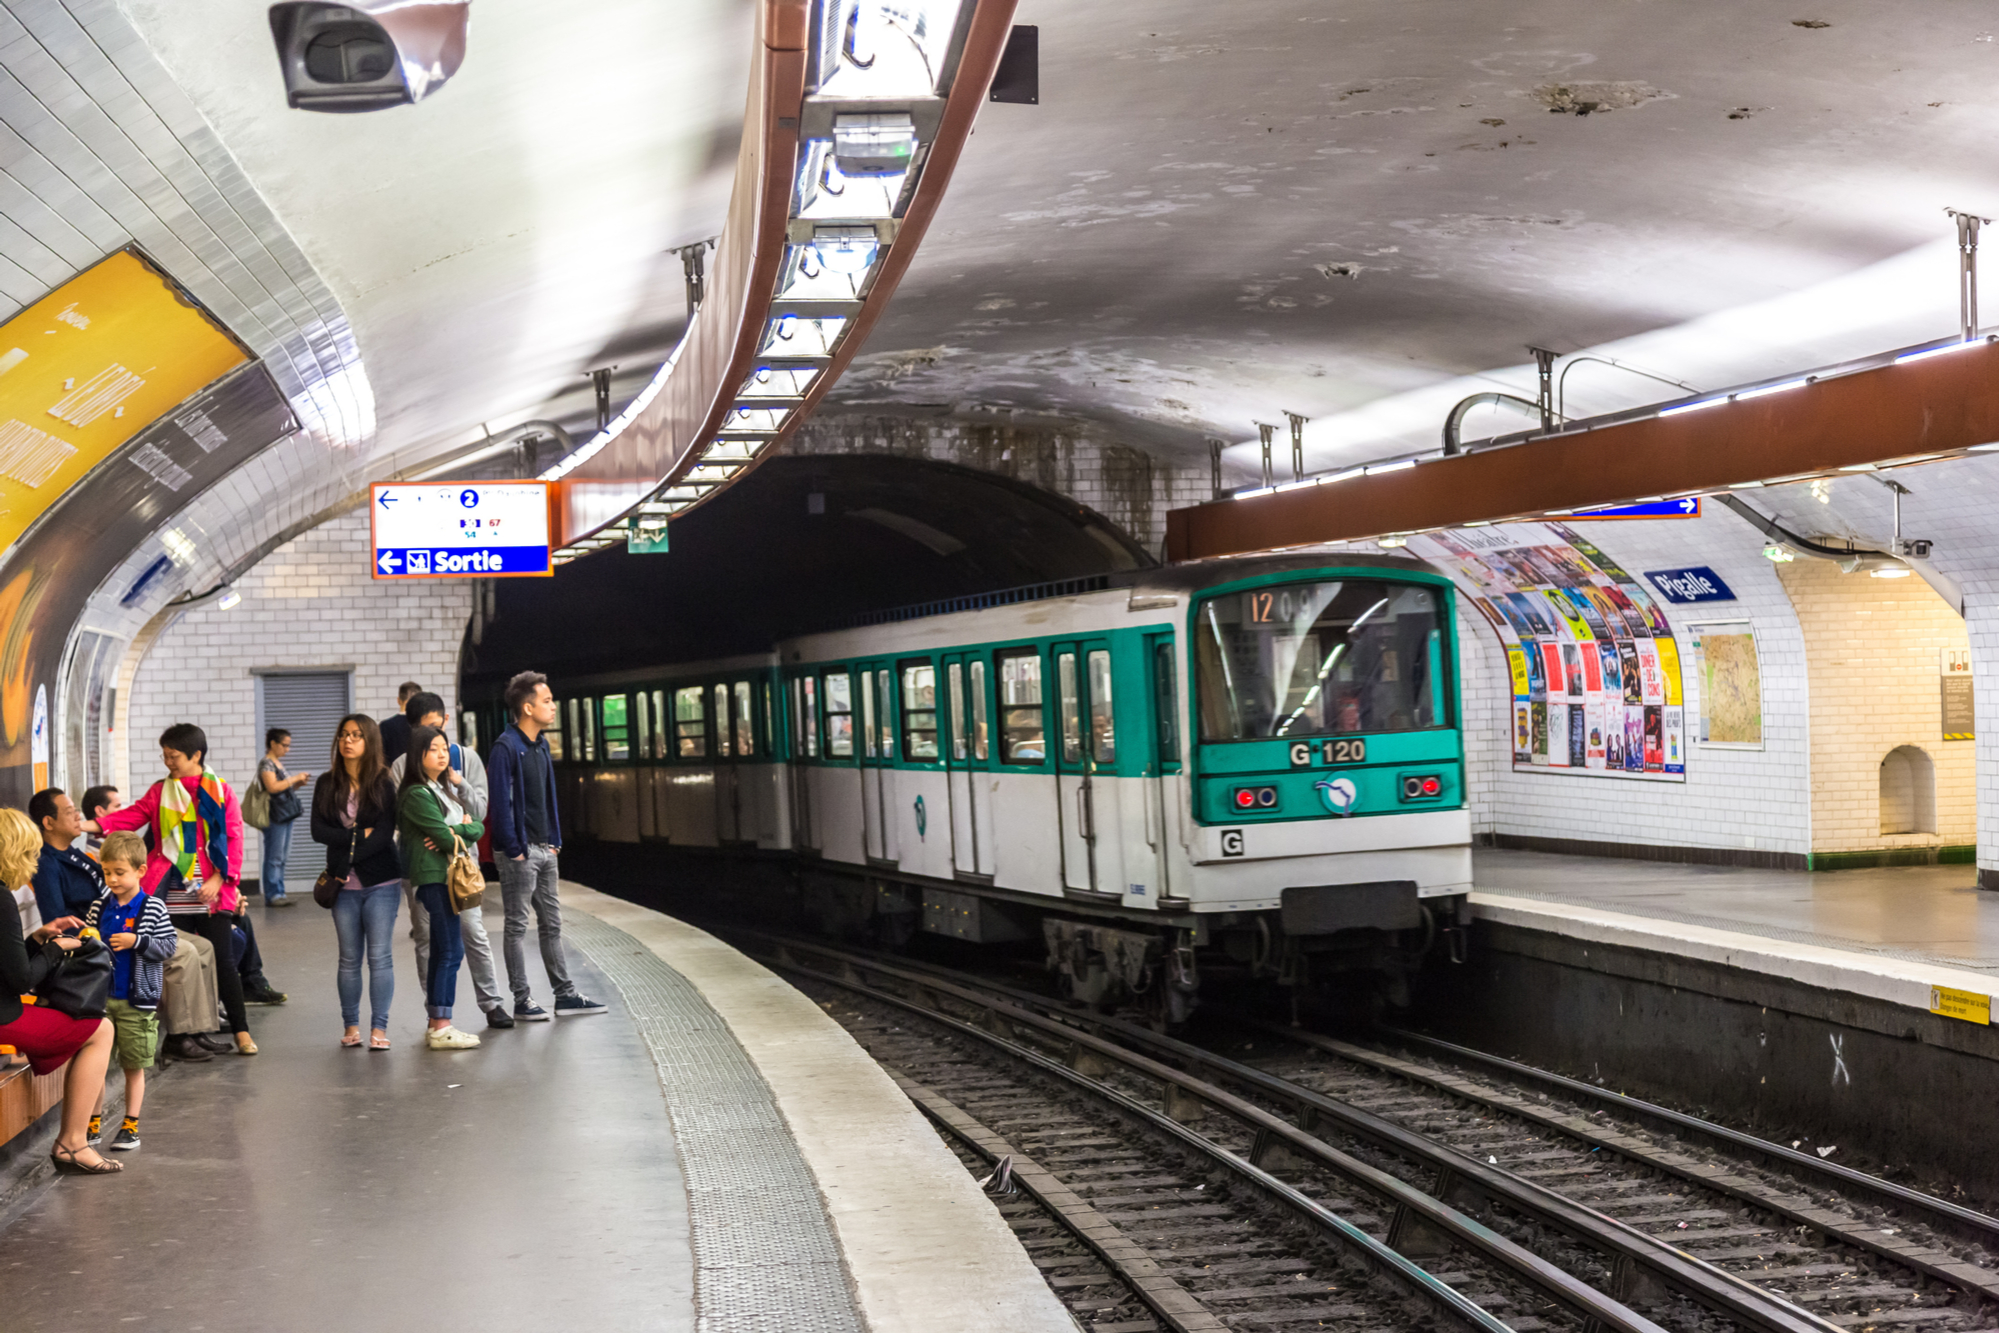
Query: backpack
point(256, 804)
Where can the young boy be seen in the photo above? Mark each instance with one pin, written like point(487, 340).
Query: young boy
point(141, 935)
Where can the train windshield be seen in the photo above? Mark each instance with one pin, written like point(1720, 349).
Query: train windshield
point(1319, 659)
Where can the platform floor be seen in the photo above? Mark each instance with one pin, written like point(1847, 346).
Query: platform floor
point(1921, 914)
point(713, 1154)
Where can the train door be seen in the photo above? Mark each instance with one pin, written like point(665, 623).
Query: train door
point(1162, 782)
point(968, 756)
point(728, 799)
point(1086, 757)
point(878, 752)
point(804, 715)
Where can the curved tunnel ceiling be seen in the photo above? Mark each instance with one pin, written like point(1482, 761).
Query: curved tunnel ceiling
point(758, 562)
point(1220, 213)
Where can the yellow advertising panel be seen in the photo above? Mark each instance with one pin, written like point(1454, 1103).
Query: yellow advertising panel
point(87, 367)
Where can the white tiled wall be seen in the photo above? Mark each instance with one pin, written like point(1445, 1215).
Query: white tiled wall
point(310, 603)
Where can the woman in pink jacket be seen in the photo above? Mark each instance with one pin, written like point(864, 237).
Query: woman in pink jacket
point(195, 828)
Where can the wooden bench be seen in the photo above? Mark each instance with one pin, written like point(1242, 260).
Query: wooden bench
point(25, 1098)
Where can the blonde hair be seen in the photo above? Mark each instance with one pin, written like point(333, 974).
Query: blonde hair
point(125, 848)
point(20, 848)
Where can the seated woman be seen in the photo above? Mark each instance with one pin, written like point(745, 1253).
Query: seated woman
point(48, 1038)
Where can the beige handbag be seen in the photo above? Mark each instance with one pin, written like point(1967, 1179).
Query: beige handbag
point(462, 879)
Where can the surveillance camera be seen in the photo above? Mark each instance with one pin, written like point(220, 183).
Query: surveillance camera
point(1919, 547)
point(366, 57)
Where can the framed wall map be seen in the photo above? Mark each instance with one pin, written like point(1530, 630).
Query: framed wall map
point(1732, 690)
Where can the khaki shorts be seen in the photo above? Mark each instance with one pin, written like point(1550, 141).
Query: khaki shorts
point(135, 1034)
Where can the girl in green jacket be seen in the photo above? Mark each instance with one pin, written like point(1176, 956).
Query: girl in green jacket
point(431, 824)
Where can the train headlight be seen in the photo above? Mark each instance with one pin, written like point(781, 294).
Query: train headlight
point(1422, 786)
point(1255, 798)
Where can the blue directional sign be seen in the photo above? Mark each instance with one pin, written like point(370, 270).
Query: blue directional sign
point(427, 530)
point(1689, 507)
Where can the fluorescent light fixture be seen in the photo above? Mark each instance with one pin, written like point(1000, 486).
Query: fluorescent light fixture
point(825, 191)
point(1253, 494)
point(711, 474)
point(229, 601)
point(1480, 523)
point(1343, 476)
point(1894, 572)
point(1701, 406)
point(1747, 394)
point(778, 382)
point(874, 143)
point(1391, 543)
point(1984, 448)
point(755, 420)
point(1297, 485)
point(1857, 467)
point(833, 266)
point(871, 49)
point(1945, 350)
point(1379, 468)
point(801, 335)
point(732, 451)
point(1745, 485)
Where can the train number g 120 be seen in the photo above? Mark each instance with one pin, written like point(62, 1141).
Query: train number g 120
point(1330, 752)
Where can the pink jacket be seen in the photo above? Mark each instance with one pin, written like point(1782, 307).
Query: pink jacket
point(144, 814)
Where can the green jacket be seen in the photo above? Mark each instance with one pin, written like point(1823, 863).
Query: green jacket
point(420, 815)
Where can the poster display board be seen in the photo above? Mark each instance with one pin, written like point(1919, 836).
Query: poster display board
point(1731, 707)
point(1596, 670)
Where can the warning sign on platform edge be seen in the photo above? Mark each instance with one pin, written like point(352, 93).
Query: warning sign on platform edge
point(1962, 1004)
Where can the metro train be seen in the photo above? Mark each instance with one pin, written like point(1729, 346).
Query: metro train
point(1252, 761)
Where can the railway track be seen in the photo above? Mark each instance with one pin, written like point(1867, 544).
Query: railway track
point(1692, 1243)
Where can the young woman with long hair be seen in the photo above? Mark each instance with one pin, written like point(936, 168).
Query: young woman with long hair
point(432, 821)
point(354, 815)
point(49, 1038)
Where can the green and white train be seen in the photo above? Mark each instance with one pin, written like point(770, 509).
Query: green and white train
point(1254, 762)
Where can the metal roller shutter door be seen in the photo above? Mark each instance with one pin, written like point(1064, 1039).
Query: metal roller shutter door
point(309, 704)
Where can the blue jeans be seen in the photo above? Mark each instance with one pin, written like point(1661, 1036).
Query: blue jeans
point(365, 919)
point(447, 950)
point(277, 843)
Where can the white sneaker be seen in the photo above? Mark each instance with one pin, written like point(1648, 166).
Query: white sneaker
point(450, 1039)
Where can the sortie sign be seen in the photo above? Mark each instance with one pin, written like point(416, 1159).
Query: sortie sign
point(479, 529)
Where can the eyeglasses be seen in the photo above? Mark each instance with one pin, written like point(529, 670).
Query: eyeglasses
point(346, 736)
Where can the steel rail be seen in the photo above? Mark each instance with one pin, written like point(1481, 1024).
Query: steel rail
point(1414, 1208)
point(1173, 1304)
point(1606, 1313)
point(1631, 1248)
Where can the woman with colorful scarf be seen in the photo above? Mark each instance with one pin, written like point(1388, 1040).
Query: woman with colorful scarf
point(196, 859)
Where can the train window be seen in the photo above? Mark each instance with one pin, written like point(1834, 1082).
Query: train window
point(770, 730)
point(868, 714)
point(920, 727)
point(722, 732)
point(1165, 705)
point(839, 716)
point(575, 728)
point(1021, 730)
point(1067, 705)
point(885, 715)
point(642, 728)
point(659, 743)
point(617, 729)
point(955, 706)
point(1314, 659)
point(978, 673)
point(746, 722)
point(809, 715)
point(690, 723)
point(590, 731)
point(1103, 730)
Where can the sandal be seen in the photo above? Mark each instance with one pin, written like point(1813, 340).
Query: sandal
point(378, 1041)
point(351, 1038)
point(66, 1160)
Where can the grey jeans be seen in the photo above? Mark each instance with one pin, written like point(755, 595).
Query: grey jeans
point(531, 882)
point(478, 948)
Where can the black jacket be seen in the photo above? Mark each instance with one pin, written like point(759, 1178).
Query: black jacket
point(16, 977)
point(374, 856)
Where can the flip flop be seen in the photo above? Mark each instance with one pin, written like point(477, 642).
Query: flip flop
point(350, 1039)
point(378, 1043)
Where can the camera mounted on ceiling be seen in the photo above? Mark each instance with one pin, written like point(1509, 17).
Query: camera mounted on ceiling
point(368, 56)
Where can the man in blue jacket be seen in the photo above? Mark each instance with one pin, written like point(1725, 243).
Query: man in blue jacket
point(526, 831)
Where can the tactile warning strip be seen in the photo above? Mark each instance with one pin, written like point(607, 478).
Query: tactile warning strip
point(764, 1255)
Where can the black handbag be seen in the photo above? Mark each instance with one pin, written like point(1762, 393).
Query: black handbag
point(285, 806)
point(77, 981)
point(326, 889)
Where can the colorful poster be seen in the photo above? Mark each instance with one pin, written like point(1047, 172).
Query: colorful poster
point(1593, 667)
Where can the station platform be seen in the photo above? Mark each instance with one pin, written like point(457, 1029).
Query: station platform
point(1889, 934)
point(713, 1154)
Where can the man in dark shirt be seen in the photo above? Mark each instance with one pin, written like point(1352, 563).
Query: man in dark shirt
point(396, 727)
point(526, 829)
point(67, 881)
